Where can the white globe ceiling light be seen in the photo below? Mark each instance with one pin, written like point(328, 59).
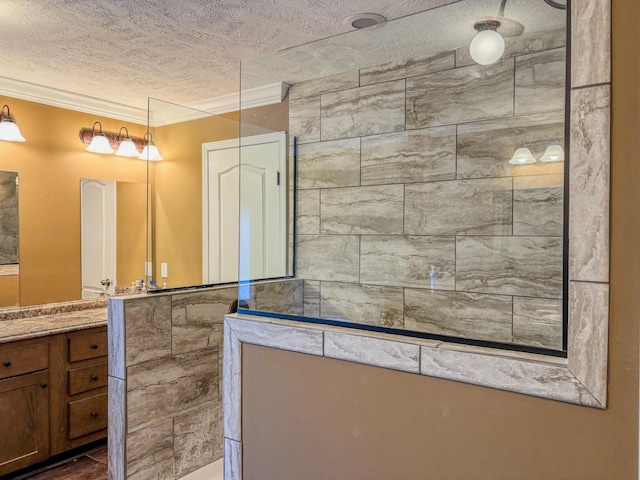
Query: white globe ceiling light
point(488, 46)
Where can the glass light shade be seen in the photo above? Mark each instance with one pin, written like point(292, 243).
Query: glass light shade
point(487, 47)
point(10, 132)
point(150, 152)
point(127, 149)
point(553, 153)
point(99, 144)
point(522, 156)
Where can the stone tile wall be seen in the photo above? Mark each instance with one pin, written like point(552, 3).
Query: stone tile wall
point(165, 377)
point(408, 212)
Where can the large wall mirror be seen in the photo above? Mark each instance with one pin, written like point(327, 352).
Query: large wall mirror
point(431, 173)
point(74, 226)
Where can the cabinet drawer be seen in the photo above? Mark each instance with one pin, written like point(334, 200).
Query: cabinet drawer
point(87, 378)
point(18, 361)
point(83, 347)
point(87, 416)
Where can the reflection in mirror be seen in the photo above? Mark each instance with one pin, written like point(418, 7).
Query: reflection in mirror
point(194, 200)
point(113, 216)
point(417, 209)
point(50, 166)
point(9, 268)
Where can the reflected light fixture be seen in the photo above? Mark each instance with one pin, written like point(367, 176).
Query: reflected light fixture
point(9, 130)
point(553, 153)
point(487, 47)
point(99, 142)
point(522, 156)
point(150, 151)
point(127, 148)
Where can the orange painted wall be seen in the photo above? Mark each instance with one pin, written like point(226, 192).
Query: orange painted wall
point(50, 165)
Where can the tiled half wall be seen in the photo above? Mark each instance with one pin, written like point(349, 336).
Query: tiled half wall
point(408, 213)
point(165, 377)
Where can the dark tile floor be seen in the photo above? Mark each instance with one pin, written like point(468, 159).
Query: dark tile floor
point(90, 466)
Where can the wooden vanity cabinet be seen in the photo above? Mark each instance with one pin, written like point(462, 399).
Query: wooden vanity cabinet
point(24, 404)
point(53, 396)
point(79, 413)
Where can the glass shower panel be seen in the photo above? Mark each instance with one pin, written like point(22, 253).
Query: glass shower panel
point(428, 188)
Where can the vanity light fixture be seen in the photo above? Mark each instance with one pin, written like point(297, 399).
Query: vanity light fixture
point(106, 142)
point(99, 142)
point(127, 148)
point(9, 130)
point(487, 47)
point(522, 156)
point(553, 153)
point(150, 151)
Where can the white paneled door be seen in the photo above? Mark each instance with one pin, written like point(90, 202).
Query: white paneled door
point(98, 230)
point(244, 209)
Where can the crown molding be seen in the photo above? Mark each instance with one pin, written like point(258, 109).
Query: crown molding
point(71, 101)
point(255, 97)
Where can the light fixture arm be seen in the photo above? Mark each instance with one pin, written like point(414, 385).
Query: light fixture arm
point(120, 133)
point(502, 5)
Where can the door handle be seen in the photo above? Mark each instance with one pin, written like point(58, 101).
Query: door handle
point(105, 283)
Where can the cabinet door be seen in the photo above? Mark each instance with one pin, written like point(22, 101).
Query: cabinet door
point(24, 421)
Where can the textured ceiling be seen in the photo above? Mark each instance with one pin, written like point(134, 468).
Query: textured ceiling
point(184, 51)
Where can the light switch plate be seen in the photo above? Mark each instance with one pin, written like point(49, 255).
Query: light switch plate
point(163, 270)
point(148, 268)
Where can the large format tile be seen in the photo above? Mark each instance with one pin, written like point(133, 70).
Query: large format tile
point(197, 438)
point(407, 68)
point(590, 178)
point(528, 42)
point(164, 388)
point(304, 119)
point(525, 266)
point(308, 212)
point(537, 322)
point(368, 304)
point(460, 95)
point(468, 315)
point(150, 452)
point(329, 164)
point(148, 328)
point(408, 261)
point(485, 148)
point(328, 257)
point(459, 207)
point(116, 433)
point(312, 298)
point(197, 318)
point(538, 205)
point(590, 42)
point(363, 111)
point(282, 297)
point(540, 82)
point(362, 210)
point(422, 155)
point(328, 84)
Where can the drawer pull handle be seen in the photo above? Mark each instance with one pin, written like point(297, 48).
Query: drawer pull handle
point(94, 346)
point(94, 378)
point(93, 415)
point(7, 364)
point(43, 385)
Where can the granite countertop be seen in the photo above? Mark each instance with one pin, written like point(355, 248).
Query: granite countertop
point(40, 326)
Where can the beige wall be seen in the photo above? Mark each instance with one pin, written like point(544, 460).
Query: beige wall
point(177, 200)
point(306, 417)
point(50, 164)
